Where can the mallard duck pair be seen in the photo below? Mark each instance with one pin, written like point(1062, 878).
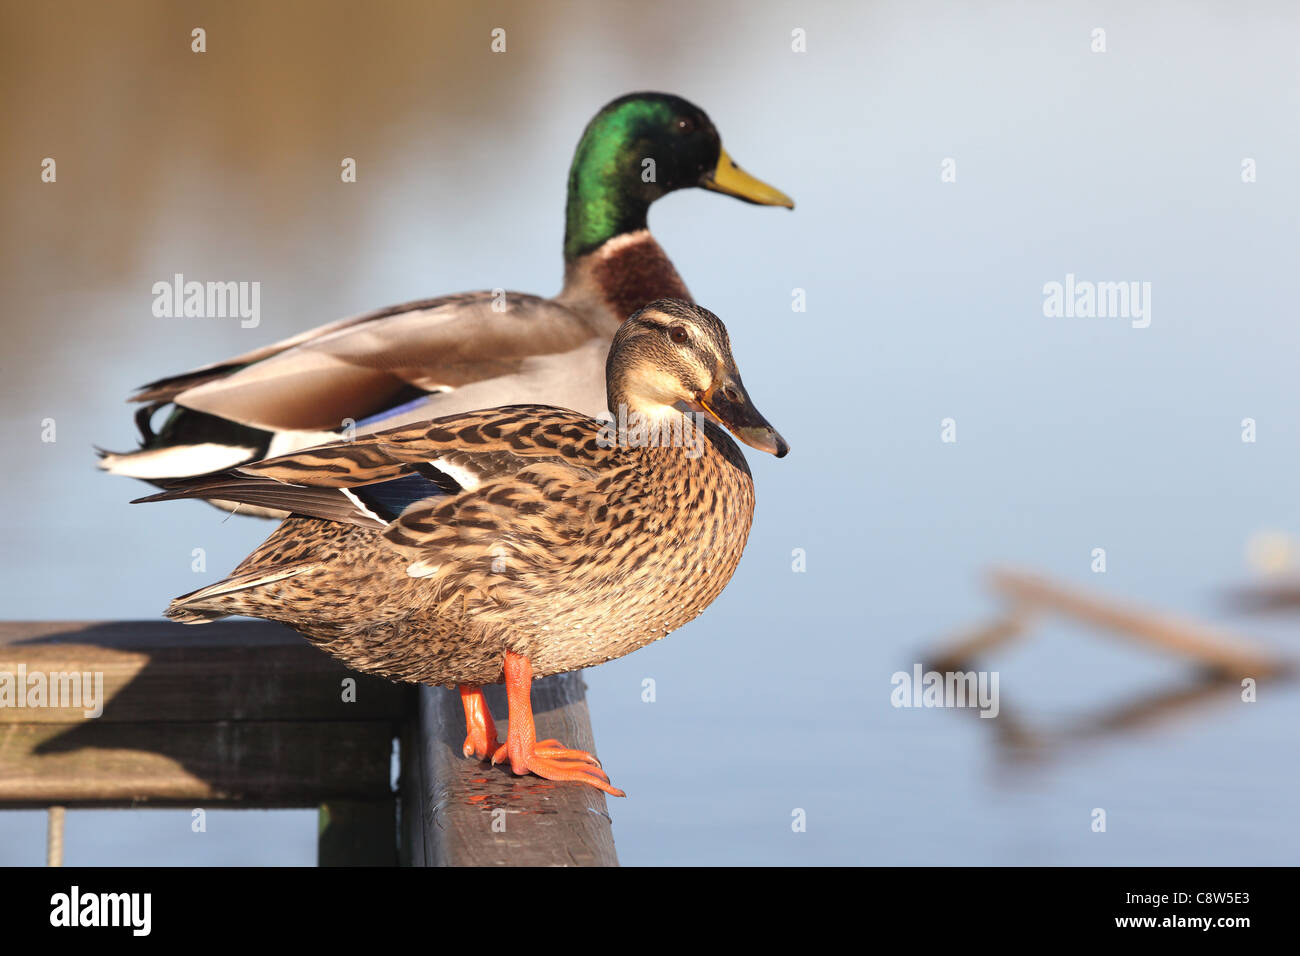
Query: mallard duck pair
point(457, 353)
point(505, 543)
point(514, 542)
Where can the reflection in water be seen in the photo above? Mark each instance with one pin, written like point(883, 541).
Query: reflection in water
point(1222, 666)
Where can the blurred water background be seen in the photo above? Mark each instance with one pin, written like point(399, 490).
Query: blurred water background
point(924, 302)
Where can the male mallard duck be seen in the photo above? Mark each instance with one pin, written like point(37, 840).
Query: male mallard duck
point(457, 353)
point(513, 542)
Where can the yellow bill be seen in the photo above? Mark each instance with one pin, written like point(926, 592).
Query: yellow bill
point(730, 179)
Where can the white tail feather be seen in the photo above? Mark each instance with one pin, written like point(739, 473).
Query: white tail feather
point(177, 461)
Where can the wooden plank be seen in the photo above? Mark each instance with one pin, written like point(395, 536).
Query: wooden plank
point(236, 670)
point(149, 633)
point(412, 850)
point(957, 653)
point(468, 813)
point(357, 833)
point(1272, 596)
point(250, 714)
point(250, 763)
point(1188, 639)
point(55, 818)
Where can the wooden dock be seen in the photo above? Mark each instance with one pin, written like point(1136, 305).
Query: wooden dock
point(248, 714)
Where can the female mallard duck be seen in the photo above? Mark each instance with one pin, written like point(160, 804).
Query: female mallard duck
point(513, 542)
point(454, 354)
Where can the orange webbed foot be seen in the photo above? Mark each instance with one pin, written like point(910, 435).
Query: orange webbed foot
point(553, 748)
point(556, 763)
point(481, 733)
point(480, 747)
point(548, 759)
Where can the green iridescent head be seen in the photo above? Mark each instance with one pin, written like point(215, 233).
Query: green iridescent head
point(638, 148)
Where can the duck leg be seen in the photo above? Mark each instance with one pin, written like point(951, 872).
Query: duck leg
point(548, 759)
point(481, 733)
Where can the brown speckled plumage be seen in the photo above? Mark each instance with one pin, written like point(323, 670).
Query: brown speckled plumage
point(549, 539)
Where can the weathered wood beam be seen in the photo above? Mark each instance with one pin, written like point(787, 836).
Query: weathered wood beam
point(957, 653)
point(250, 763)
point(227, 670)
point(463, 812)
point(357, 833)
point(1187, 639)
point(249, 714)
point(243, 713)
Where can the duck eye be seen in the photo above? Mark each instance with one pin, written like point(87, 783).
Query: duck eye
point(685, 125)
point(678, 335)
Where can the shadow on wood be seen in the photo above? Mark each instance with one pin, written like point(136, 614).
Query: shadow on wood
point(237, 712)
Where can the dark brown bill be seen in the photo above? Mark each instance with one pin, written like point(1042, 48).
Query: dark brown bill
point(729, 403)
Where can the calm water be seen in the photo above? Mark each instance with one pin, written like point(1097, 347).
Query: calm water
point(924, 302)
